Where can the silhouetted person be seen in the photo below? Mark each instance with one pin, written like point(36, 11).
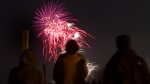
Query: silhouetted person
point(125, 67)
point(26, 73)
point(70, 67)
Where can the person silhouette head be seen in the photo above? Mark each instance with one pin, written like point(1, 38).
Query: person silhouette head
point(123, 42)
point(26, 72)
point(28, 58)
point(71, 47)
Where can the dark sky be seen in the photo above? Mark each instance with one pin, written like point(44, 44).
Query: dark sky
point(103, 19)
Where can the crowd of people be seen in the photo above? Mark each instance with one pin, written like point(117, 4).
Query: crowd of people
point(124, 67)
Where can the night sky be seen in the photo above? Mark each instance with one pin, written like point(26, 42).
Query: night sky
point(103, 19)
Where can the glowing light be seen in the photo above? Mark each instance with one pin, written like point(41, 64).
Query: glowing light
point(92, 66)
point(70, 25)
point(53, 26)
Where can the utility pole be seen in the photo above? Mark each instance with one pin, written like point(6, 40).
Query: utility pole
point(25, 39)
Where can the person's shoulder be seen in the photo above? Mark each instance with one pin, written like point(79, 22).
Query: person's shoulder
point(36, 71)
point(81, 55)
point(16, 68)
point(140, 59)
point(62, 55)
point(13, 71)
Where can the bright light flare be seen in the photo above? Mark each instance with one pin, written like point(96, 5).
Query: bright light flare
point(92, 67)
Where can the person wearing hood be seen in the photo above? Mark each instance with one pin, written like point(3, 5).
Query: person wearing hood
point(26, 72)
point(70, 67)
point(125, 67)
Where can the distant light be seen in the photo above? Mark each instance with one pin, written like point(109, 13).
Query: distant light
point(70, 25)
point(76, 35)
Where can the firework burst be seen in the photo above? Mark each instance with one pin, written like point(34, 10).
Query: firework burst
point(52, 25)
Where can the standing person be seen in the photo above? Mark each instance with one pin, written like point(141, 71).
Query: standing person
point(70, 67)
point(26, 73)
point(125, 67)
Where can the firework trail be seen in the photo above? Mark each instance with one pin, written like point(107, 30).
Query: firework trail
point(53, 25)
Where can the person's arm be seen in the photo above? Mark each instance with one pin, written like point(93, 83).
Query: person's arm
point(41, 78)
point(57, 69)
point(107, 76)
point(85, 68)
point(11, 79)
point(145, 71)
point(82, 68)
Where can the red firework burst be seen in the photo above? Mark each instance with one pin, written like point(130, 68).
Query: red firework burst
point(52, 25)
